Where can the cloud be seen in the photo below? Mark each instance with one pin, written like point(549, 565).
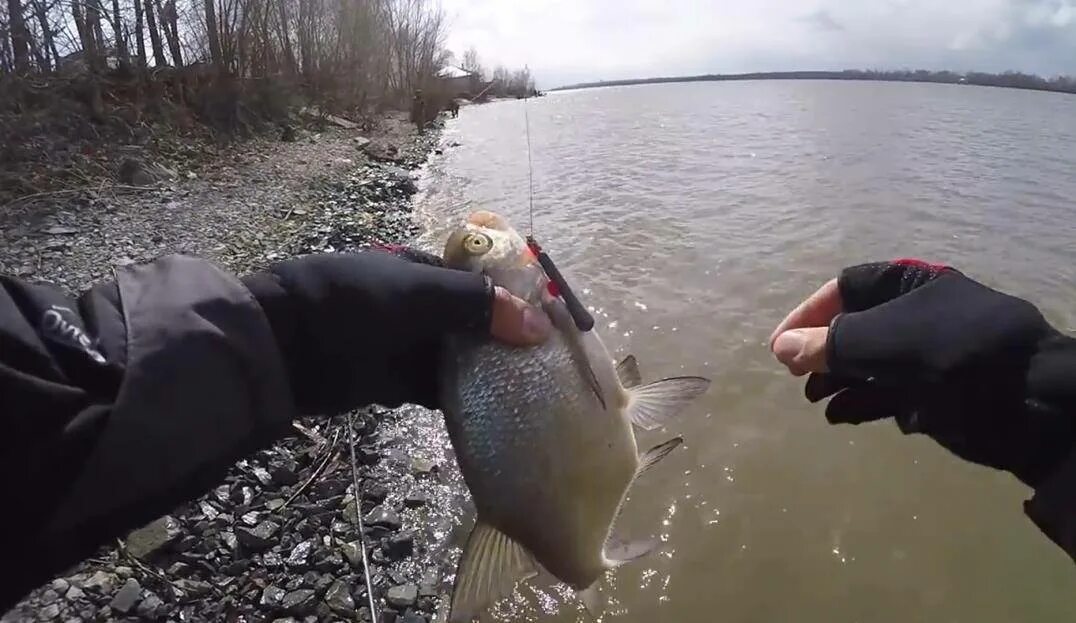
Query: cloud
point(821, 20)
point(567, 41)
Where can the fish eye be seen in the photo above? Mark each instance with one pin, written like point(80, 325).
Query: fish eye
point(477, 244)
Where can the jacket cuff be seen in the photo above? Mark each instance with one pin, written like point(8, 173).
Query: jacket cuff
point(1053, 507)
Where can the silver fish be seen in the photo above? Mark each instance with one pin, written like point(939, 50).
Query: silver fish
point(544, 436)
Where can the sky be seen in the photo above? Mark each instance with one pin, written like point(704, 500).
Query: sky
point(568, 41)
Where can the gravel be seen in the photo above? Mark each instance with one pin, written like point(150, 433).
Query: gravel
point(273, 540)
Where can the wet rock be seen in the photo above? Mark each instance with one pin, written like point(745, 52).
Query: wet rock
point(403, 596)
point(250, 519)
point(284, 472)
point(329, 562)
point(100, 582)
point(367, 455)
point(353, 552)
point(415, 500)
point(338, 598)
point(49, 612)
point(422, 467)
point(180, 569)
point(274, 504)
point(299, 602)
point(229, 539)
point(384, 517)
point(298, 556)
point(126, 597)
point(152, 538)
point(208, 510)
point(193, 588)
point(262, 475)
point(272, 597)
point(259, 537)
point(412, 617)
point(375, 493)
point(399, 546)
point(147, 608)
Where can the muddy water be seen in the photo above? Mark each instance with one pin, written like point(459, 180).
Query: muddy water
point(692, 217)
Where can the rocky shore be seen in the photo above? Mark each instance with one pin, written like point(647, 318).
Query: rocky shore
point(276, 540)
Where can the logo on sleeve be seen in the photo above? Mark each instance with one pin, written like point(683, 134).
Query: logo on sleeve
point(58, 323)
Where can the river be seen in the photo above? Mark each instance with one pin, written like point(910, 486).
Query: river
point(692, 217)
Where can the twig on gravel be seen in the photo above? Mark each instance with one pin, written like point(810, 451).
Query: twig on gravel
point(317, 471)
point(311, 434)
point(47, 193)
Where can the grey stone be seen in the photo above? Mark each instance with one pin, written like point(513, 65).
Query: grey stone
point(399, 546)
point(100, 582)
point(147, 608)
point(299, 602)
point(271, 598)
point(74, 593)
point(353, 552)
point(59, 230)
point(259, 537)
point(153, 537)
point(126, 597)
point(339, 599)
point(383, 516)
point(403, 596)
point(49, 612)
point(262, 475)
point(60, 585)
point(411, 617)
point(422, 467)
point(49, 596)
point(375, 493)
point(415, 500)
point(299, 554)
point(274, 504)
point(193, 588)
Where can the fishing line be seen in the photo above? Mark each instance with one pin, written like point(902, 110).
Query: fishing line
point(358, 517)
point(530, 166)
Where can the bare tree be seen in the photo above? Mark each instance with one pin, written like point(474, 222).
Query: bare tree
point(140, 38)
point(154, 34)
point(20, 37)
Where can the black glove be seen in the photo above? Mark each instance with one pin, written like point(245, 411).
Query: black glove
point(363, 328)
point(980, 372)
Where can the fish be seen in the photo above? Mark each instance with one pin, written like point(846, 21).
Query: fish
point(544, 436)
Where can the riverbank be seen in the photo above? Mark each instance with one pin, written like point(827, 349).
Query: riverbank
point(276, 539)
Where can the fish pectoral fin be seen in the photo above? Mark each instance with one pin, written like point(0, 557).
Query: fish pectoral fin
point(654, 455)
point(593, 599)
point(620, 552)
point(491, 565)
point(628, 372)
point(654, 404)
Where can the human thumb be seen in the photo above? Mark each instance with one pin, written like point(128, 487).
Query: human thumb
point(802, 350)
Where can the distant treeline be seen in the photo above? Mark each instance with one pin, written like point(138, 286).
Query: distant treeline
point(1010, 79)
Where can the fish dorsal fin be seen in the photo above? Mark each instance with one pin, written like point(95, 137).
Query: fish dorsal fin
point(654, 404)
point(491, 565)
point(593, 599)
point(628, 372)
point(654, 455)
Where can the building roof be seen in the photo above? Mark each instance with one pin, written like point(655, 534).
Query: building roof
point(455, 72)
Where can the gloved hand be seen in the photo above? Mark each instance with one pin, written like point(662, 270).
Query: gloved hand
point(364, 328)
point(979, 371)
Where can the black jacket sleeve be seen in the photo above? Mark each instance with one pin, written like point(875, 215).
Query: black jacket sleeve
point(140, 393)
point(121, 403)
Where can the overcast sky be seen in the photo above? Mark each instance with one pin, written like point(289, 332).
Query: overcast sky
point(567, 41)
